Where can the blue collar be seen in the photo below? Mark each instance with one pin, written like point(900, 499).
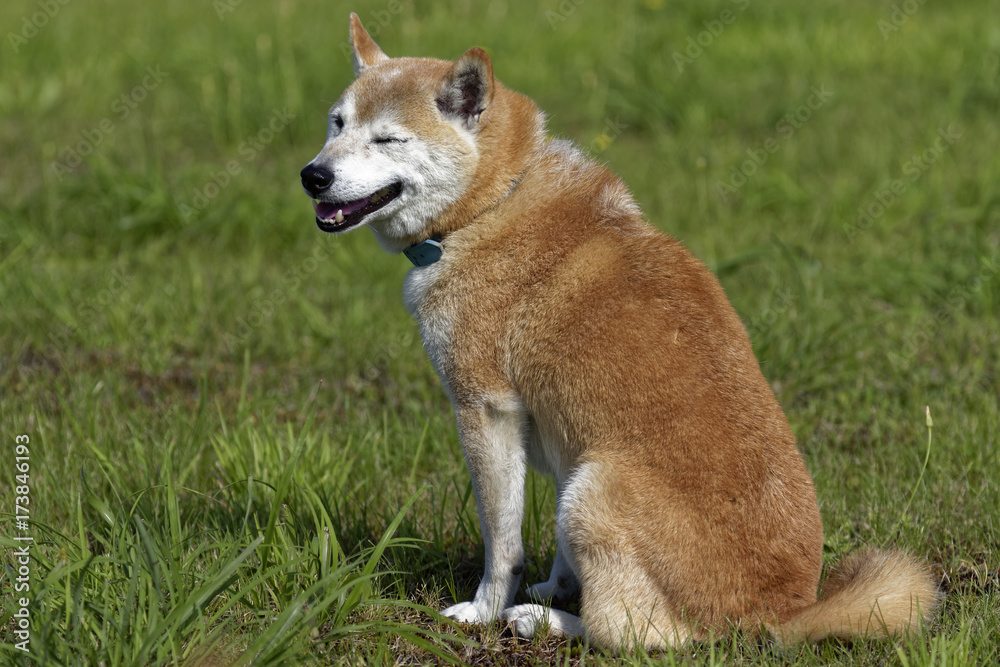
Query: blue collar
point(426, 252)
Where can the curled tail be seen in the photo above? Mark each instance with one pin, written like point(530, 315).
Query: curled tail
point(870, 593)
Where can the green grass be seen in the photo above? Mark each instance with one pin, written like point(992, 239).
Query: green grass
point(238, 450)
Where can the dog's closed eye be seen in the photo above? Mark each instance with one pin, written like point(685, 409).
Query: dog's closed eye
point(388, 140)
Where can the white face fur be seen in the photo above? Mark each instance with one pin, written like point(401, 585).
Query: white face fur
point(368, 155)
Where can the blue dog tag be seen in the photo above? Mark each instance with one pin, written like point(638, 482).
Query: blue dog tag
point(425, 253)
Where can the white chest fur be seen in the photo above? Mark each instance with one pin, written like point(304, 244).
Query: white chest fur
point(435, 317)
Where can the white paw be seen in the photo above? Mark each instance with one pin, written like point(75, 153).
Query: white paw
point(530, 619)
point(468, 612)
point(526, 619)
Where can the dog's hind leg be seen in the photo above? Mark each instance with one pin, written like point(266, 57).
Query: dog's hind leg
point(563, 583)
point(623, 609)
point(622, 606)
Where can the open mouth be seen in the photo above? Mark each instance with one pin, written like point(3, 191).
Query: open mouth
point(341, 216)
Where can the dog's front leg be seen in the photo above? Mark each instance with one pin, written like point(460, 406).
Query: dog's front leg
point(493, 439)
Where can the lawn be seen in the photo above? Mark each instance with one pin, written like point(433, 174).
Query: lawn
point(234, 448)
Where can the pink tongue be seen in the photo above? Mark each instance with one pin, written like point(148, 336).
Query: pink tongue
point(328, 211)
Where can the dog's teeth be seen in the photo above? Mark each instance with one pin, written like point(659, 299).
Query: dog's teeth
point(340, 216)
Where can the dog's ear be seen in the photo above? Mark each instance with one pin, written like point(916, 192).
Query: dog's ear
point(468, 88)
point(364, 50)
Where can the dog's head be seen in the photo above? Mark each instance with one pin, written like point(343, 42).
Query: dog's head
point(403, 142)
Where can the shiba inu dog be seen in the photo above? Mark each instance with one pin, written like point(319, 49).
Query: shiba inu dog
point(573, 336)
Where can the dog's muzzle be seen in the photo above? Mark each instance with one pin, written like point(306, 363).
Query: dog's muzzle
point(340, 216)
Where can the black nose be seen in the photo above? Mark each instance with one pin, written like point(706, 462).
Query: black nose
point(316, 179)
